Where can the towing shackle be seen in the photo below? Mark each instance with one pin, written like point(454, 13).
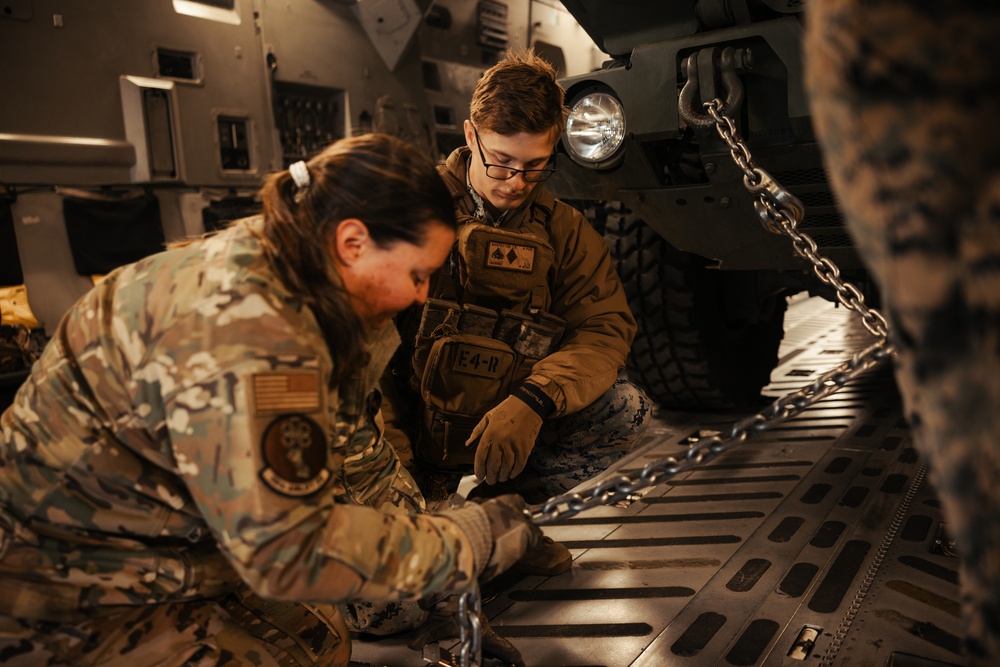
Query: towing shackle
point(701, 69)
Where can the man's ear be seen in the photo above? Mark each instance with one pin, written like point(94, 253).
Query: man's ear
point(350, 241)
point(470, 135)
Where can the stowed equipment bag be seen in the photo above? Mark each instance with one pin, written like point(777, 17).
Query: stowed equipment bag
point(468, 357)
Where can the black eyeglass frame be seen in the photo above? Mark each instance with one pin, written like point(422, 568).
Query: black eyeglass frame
point(530, 175)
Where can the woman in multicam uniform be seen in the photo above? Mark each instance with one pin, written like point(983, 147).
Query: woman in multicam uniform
point(173, 485)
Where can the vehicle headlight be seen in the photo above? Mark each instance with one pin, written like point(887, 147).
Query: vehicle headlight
point(595, 128)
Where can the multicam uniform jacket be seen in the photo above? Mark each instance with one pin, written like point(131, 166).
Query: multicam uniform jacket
point(178, 435)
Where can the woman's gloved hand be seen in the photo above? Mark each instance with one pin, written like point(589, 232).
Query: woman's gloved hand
point(500, 532)
point(506, 436)
point(514, 533)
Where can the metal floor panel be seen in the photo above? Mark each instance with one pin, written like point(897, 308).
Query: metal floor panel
point(823, 527)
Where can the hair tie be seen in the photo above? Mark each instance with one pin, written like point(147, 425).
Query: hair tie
point(300, 174)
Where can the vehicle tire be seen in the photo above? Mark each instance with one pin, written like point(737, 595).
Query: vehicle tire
point(690, 352)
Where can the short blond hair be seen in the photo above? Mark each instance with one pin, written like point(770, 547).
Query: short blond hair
point(519, 94)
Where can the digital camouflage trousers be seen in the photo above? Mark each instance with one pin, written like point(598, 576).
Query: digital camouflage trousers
point(906, 97)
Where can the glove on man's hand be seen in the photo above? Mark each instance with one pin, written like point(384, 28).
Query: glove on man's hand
point(506, 436)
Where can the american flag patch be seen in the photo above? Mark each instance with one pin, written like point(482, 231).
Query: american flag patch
point(286, 392)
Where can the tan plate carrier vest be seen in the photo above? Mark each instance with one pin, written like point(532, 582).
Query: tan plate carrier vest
point(469, 357)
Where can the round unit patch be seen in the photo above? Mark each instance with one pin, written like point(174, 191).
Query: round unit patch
point(294, 451)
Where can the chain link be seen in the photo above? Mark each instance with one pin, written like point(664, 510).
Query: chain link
point(707, 448)
point(469, 628)
point(780, 212)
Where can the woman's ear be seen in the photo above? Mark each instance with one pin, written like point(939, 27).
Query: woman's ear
point(349, 241)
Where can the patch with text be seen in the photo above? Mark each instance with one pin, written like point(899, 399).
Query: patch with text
point(293, 448)
point(510, 256)
point(477, 361)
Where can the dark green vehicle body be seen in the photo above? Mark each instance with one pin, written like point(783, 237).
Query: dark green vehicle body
point(706, 280)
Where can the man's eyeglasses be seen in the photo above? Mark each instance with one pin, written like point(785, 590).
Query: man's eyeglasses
point(502, 173)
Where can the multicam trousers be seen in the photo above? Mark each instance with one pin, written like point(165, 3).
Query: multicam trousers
point(239, 630)
point(377, 478)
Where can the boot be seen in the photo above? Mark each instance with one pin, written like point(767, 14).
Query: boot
point(548, 559)
point(493, 645)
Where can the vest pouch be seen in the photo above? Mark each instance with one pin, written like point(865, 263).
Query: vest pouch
point(441, 443)
point(535, 340)
point(439, 318)
point(465, 377)
point(498, 265)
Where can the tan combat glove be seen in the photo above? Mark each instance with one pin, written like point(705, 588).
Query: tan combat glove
point(506, 435)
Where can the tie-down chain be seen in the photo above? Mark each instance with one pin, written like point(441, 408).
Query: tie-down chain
point(780, 212)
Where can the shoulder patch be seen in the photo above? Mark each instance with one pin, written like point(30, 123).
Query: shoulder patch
point(294, 452)
point(286, 391)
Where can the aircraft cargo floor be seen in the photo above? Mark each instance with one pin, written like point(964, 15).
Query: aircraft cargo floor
point(821, 531)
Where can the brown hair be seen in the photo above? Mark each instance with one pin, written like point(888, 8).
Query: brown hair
point(519, 94)
point(381, 180)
